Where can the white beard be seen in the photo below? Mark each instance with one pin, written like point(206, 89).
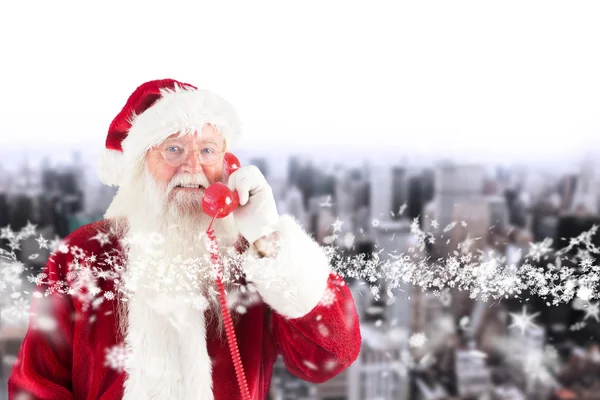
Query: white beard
point(169, 283)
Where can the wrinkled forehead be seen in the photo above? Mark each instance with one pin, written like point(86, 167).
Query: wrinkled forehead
point(208, 134)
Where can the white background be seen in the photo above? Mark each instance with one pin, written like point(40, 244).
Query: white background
point(503, 80)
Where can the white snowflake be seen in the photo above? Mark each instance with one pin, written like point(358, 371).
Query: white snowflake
point(327, 202)
point(17, 313)
point(43, 243)
point(28, 231)
point(323, 330)
point(71, 275)
point(330, 365)
point(349, 239)
point(402, 209)
point(417, 340)
point(109, 295)
point(116, 357)
point(337, 225)
point(328, 298)
point(63, 248)
point(241, 309)
point(7, 233)
point(45, 323)
point(375, 291)
point(585, 293)
point(538, 250)
point(102, 238)
point(77, 252)
point(449, 227)
point(523, 321)
point(54, 244)
point(38, 279)
point(310, 365)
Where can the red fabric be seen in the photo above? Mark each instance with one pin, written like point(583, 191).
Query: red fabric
point(139, 101)
point(69, 361)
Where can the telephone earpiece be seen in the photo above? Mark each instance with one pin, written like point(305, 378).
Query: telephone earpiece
point(218, 200)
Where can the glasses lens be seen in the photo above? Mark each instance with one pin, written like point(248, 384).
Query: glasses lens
point(209, 154)
point(174, 153)
point(209, 158)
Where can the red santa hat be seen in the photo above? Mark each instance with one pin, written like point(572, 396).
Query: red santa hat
point(156, 110)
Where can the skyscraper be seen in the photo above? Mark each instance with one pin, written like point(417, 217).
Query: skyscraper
point(262, 164)
point(293, 170)
point(399, 190)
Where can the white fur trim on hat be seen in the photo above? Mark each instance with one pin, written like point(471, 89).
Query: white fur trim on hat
point(184, 111)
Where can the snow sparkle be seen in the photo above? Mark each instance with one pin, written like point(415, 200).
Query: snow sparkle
point(554, 275)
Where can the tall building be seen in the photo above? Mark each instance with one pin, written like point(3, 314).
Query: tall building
point(428, 184)
point(382, 196)
point(294, 205)
point(343, 195)
point(399, 190)
point(456, 184)
point(415, 200)
point(306, 184)
point(293, 170)
point(566, 190)
point(586, 195)
point(262, 164)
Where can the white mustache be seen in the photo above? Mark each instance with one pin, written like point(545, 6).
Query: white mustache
point(188, 179)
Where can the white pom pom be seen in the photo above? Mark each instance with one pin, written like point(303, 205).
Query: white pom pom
point(110, 167)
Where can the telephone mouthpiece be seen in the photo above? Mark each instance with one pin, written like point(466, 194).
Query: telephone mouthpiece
point(219, 201)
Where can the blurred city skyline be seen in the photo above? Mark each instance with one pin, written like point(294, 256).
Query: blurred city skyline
point(370, 209)
point(568, 162)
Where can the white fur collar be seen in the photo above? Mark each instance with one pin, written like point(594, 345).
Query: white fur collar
point(168, 351)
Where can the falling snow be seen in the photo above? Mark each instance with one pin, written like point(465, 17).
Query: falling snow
point(554, 275)
point(484, 277)
point(418, 340)
point(116, 357)
point(328, 298)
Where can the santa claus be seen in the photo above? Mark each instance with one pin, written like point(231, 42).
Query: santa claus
point(127, 307)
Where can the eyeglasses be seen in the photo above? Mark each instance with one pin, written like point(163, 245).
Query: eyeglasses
point(176, 152)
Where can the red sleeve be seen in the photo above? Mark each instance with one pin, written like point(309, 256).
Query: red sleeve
point(43, 367)
point(324, 342)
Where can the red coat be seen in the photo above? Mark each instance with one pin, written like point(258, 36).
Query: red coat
point(64, 354)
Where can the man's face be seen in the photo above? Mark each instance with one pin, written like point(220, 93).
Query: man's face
point(184, 166)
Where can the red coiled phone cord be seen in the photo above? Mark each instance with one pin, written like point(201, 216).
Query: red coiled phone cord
point(231, 339)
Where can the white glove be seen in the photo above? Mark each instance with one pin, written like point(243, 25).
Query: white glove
point(257, 214)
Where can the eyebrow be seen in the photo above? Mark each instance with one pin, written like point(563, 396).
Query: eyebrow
point(172, 139)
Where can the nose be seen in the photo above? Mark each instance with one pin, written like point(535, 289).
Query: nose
point(191, 164)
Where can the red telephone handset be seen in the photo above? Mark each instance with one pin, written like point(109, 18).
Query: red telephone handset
point(218, 202)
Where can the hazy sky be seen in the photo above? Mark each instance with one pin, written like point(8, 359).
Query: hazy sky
point(430, 76)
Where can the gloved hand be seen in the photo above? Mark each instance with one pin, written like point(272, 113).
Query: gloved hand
point(257, 214)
